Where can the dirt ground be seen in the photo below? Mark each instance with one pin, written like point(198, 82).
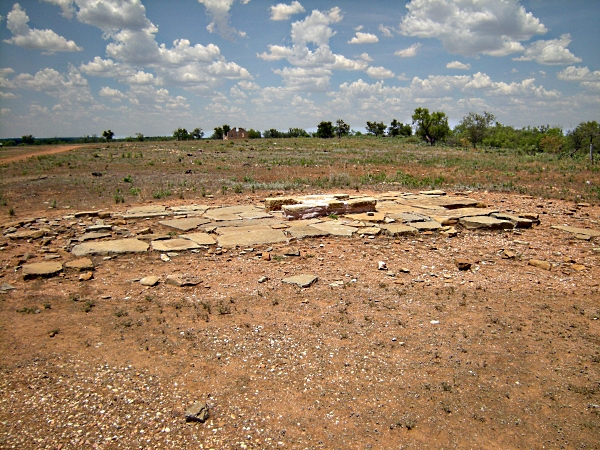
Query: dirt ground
point(422, 355)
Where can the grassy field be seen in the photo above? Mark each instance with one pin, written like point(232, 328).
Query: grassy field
point(133, 172)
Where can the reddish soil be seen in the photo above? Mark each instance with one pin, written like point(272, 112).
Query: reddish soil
point(505, 355)
point(15, 154)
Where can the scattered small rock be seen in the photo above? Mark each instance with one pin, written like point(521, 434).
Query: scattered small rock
point(183, 280)
point(86, 276)
point(462, 264)
point(301, 280)
point(263, 279)
point(151, 280)
point(540, 264)
point(198, 412)
point(381, 265)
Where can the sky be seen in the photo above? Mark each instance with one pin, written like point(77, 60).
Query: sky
point(72, 68)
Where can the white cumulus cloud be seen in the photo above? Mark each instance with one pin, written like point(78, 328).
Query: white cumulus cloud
point(385, 31)
point(281, 11)
point(408, 52)
point(552, 52)
point(363, 38)
point(32, 38)
point(458, 65)
point(218, 10)
point(380, 72)
point(471, 27)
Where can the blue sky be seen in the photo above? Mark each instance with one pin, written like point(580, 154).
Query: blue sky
point(78, 67)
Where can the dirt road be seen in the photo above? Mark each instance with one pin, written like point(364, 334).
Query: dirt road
point(20, 153)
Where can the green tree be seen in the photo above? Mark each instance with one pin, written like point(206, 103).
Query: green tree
point(139, 137)
point(431, 127)
point(181, 134)
point(218, 133)
point(197, 133)
point(583, 134)
point(476, 126)
point(254, 134)
point(28, 139)
point(226, 128)
point(108, 135)
point(297, 132)
point(324, 130)
point(376, 128)
point(341, 128)
point(399, 129)
point(272, 134)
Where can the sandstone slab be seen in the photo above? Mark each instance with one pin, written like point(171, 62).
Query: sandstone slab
point(251, 235)
point(518, 222)
point(335, 228)
point(177, 244)
point(230, 212)
point(183, 280)
point(540, 264)
point(80, 264)
point(43, 269)
point(199, 238)
point(485, 222)
point(187, 224)
point(396, 229)
point(93, 235)
point(117, 246)
point(27, 234)
point(306, 231)
point(575, 230)
point(301, 280)
point(426, 226)
point(151, 280)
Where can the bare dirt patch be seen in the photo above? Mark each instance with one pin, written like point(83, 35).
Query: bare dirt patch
point(419, 355)
point(13, 154)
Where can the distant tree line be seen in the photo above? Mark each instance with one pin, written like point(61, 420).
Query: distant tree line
point(432, 128)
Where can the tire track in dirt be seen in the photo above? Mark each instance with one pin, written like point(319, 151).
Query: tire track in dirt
point(43, 150)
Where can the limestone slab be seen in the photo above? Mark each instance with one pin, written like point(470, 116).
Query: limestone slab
point(368, 216)
point(335, 228)
point(230, 212)
point(252, 235)
point(199, 238)
point(143, 212)
point(43, 269)
point(186, 209)
point(116, 246)
point(184, 224)
point(396, 229)
point(485, 222)
point(27, 234)
point(301, 280)
point(275, 203)
point(370, 231)
point(177, 244)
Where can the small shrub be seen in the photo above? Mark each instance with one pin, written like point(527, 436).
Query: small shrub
point(128, 179)
point(121, 313)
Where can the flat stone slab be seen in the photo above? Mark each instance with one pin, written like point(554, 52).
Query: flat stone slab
point(396, 229)
point(199, 238)
point(407, 217)
point(485, 222)
point(189, 209)
point(177, 244)
point(301, 280)
point(452, 202)
point(43, 269)
point(312, 206)
point(187, 224)
point(335, 228)
point(574, 230)
point(369, 231)
point(27, 234)
point(183, 280)
point(368, 216)
point(143, 212)
point(252, 235)
point(518, 222)
point(94, 235)
point(450, 217)
point(80, 264)
point(117, 246)
point(426, 226)
point(231, 212)
point(306, 231)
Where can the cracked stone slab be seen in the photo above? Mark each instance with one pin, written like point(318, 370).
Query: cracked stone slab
point(186, 224)
point(143, 212)
point(485, 222)
point(251, 235)
point(367, 217)
point(117, 246)
point(518, 222)
point(452, 216)
point(43, 269)
point(335, 228)
point(199, 238)
point(170, 245)
point(301, 280)
point(574, 230)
